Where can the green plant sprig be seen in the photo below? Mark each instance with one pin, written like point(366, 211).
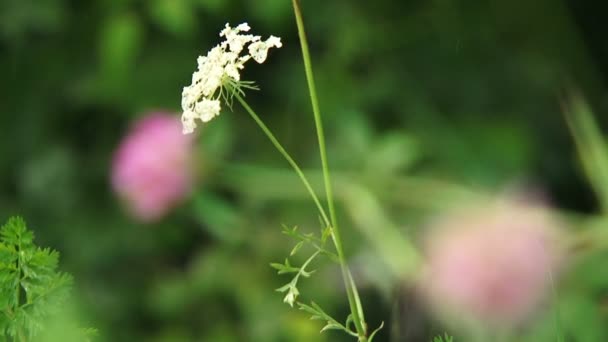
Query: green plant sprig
point(309, 238)
point(291, 288)
point(318, 243)
point(330, 221)
point(317, 313)
point(443, 338)
point(31, 288)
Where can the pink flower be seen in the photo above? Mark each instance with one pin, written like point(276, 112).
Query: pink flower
point(152, 168)
point(492, 263)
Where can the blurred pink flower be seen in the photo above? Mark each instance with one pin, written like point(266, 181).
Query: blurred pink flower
point(492, 263)
point(152, 168)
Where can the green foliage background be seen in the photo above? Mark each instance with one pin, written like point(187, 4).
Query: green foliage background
point(422, 94)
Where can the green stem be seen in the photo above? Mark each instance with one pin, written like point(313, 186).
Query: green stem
point(20, 334)
point(302, 269)
point(282, 150)
point(316, 112)
point(351, 290)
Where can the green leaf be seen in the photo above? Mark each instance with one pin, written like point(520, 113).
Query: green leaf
point(314, 313)
point(325, 234)
point(32, 290)
point(371, 336)
point(285, 268)
point(591, 146)
point(284, 287)
point(296, 248)
point(14, 234)
point(358, 305)
point(289, 231)
point(444, 338)
point(282, 269)
point(318, 314)
point(331, 326)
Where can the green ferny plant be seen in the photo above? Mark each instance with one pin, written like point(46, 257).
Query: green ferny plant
point(32, 290)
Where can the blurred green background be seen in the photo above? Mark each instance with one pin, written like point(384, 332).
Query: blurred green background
point(435, 96)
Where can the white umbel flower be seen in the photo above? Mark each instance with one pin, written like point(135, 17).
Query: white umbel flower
point(259, 50)
point(221, 66)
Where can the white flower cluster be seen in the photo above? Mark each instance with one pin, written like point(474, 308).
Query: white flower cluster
point(200, 100)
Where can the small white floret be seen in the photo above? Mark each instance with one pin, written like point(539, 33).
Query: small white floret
point(221, 65)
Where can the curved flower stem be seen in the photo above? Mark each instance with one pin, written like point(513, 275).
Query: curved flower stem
point(351, 290)
point(285, 154)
